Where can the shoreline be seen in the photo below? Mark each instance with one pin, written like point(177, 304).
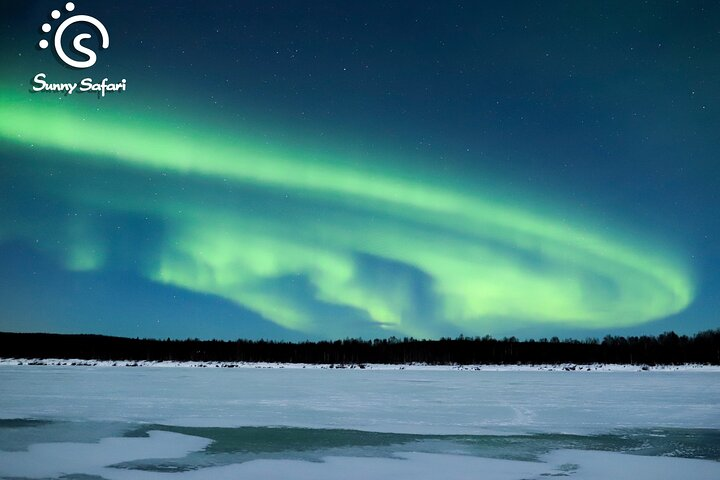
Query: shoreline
point(564, 367)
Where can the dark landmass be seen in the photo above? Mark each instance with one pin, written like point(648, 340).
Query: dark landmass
point(665, 349)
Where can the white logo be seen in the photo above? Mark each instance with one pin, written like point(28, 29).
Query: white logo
point(77, 41)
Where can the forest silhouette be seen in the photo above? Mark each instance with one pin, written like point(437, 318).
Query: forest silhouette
point(664, 349)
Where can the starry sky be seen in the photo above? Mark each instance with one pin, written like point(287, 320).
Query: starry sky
point(315, 170)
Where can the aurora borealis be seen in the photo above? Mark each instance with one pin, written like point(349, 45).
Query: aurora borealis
point(261, 228)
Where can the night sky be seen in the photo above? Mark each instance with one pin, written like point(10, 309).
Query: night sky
point(302, 170)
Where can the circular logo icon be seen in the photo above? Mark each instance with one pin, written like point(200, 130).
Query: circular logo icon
point(77, 41)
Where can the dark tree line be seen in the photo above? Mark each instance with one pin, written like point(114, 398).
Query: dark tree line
point(665, 349)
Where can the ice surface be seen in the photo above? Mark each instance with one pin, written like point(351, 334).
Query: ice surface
point(400, 401)
point(195, 423)
point(607, 465)
point(45, 460)
point(57, 460)
point(419, 466)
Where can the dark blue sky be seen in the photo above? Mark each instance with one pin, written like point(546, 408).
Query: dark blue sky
point(329, 169)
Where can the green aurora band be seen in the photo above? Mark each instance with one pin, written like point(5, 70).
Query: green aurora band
point(243, 220)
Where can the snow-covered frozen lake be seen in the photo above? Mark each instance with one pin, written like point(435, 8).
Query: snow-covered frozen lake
point(187, 423)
